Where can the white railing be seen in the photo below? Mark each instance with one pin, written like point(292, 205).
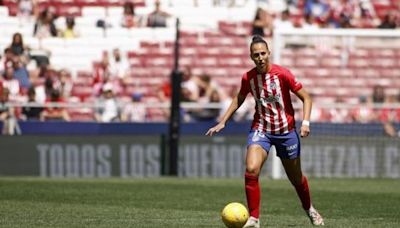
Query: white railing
point(188, 105)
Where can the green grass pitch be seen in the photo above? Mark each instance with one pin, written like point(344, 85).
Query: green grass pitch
point(180, 202)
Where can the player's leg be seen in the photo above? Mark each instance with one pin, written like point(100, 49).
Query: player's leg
point(258, 145)
point(288, 149)
point(255, 158)
point(295, 176)
point(300, 182)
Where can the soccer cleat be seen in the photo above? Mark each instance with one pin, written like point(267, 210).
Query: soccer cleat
point(315, 217)
point(252, 223)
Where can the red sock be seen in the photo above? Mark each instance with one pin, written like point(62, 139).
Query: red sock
point(304, 193)
point(252, 194)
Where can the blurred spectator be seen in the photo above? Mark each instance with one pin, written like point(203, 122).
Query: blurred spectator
point(157, 18)
point(191, 85)
point(41, 73)
point(164, 96)
point(129, 18)
point(378, 94)
point(44, 25)
point(206, 86)
point(21, 74)
point(390, 115)
point(389, 21)
point(54, 113)
point(70, 30)
point(309, 22)
point(189, 92)
point(364, 111)
point(11, 84)
point(284, 21)
point(186, 96)
point(103, 74)
point(31, 112)
point(119, 65)
point(339, 114)
point(164, 92)
point(365, 15)
point(207, 92)
point(104, 22)
point(43, 91)
point(27, 8)
point(135, 111)
point(343, 13)
point(206, 113)
point(63, 83)
point(17, 46)
point(6, 60)
point(317, 9)
point(106, 106)
point(262, 23)
point(7, 115)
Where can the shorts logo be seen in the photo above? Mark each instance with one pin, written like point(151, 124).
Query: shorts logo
point(257, 135)
point(292, 153)
point(292, 147)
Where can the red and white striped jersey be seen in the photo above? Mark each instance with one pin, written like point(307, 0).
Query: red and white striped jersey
point(271, 91)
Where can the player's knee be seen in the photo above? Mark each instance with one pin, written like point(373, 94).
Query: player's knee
point(252, 169)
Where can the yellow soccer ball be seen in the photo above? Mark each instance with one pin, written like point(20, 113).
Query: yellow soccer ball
point(234, 215)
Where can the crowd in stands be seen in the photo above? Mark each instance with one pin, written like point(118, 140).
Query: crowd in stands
point(370, 109)
point(28, 76)
point(324, 14)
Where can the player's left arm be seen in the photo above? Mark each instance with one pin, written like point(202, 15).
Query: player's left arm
point(303, 95)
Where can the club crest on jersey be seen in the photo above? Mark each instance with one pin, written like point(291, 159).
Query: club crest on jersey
point(272, 85)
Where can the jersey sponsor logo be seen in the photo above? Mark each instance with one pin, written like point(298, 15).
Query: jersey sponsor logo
point(270, 99)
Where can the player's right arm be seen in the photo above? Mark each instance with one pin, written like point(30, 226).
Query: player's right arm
point(237, 101)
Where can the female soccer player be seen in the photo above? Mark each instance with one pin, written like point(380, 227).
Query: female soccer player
point(273, 124)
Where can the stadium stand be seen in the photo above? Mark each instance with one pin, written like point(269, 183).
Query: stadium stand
point(214, 41)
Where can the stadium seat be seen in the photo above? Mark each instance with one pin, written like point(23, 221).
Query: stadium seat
point(82, 91)
point(81, 115)
point(218, 46)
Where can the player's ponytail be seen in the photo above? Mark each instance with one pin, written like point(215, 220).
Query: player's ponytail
point(258, 39)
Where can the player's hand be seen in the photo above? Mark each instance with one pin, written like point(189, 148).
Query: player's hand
point(304, 131)
point(217, 128)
